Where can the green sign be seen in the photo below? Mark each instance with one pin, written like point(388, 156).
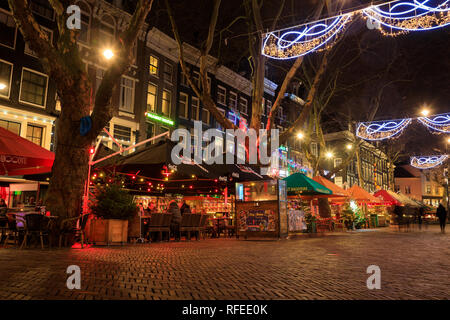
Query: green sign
point(159, 118)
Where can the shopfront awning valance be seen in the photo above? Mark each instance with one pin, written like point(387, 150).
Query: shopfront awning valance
point(299, 183)
point(19, 156)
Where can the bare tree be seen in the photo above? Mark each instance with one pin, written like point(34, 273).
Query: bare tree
point(63, 63)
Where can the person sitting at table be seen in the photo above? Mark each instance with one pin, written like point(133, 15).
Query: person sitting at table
point(176, 219)
point(152, 207)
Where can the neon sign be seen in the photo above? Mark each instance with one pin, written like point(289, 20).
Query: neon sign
point(159, 118)
point(428, 162)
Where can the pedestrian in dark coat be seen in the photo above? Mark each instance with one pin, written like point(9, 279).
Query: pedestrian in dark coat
point(185, 208)
point(441, 213)
point(420, 216)
point(176, 219)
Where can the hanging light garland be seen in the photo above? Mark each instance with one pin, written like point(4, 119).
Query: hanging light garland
point(401, 17)
point(391, 19)
point(439, 122)
point(301, 40)
point(380, 130)
point(428, 162)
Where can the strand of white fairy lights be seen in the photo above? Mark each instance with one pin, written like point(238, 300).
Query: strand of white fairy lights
point(428, 162)
point(418, 15)
point(380, 130)
point(24, 116)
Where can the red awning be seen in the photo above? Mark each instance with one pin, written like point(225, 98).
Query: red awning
point(387, 197)
point(18, 156)
point(360, 195)
point(337, 191)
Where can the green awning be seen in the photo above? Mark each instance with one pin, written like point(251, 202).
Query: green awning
point(298, 183)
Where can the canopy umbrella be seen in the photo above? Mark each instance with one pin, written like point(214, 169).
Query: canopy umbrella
point(407, 201)
point(299, 183)
point(360, 195)
point(335, 189)
point(388, 197)
point(19, 156)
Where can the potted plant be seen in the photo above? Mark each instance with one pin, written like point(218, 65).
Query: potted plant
point(113, 207)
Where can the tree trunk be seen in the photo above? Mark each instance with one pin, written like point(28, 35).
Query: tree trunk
point(324, 208)
point(70, 168)
point(358, 168)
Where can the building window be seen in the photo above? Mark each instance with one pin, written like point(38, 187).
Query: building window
point(126, 94)
point(152, 97)
point(407, 189)
point(154, 63)
point(397, 188)
point(34, 134)
point(183, 106)
point(314, 150)
point(49, 35)
point(42, 8)
point(280, 112)
point(243, 105)
point(57, 102)
point(33, 88)
point(150, 133)
point(205, 116)
point(195, 108)
point(436, 191)
point(99, 73)
point(107, 30)
point(5, 78)
point(8, 30)
point(268, 106)
point(83, 35)
point(233, 100)
point(122, 133)
point(168, 73)
point(428, 189)
point(14, 127)
point(166, 102)
point(196, 79)
point(337, 162)
point(221, 95)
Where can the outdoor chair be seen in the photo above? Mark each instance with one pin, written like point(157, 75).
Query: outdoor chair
point(186, 225)
point(203, 225)
point(221, 227)
point(35, 224)
point(165, 226)
point(11, 231)
point(230, 228)
point(323, 225)
point(195, 225)
point(3, 226)
point(155, 225)
point(73, 226)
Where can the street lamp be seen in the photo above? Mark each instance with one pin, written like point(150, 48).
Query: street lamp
point(329, 155)
point(108, 54)
point(349, 146)
point(425, 112)
point(2, 86)
point(300, 135)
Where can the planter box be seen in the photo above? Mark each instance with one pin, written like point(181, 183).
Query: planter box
point(108, 231)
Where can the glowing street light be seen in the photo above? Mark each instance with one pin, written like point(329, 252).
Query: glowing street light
point(349, 146)
point(329, 155)
point(2, 86)
point(300, 136)
point(448, 140)
point(425, 112)
point(108, 54)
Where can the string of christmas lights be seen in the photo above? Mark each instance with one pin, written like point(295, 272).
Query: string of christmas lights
point(391, 19)
point(380, 130)
point(428, 162)
point(439, 122)
point(404, 16)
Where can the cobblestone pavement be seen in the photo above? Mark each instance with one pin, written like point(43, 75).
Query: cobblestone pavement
point(414, 265)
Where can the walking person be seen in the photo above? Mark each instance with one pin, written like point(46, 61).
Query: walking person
point(441, 213)
point(419, 217)
point(398, 215)
point(176, 219)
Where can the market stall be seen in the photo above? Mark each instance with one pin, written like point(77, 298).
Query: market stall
point(261, 209)
point(372, 208)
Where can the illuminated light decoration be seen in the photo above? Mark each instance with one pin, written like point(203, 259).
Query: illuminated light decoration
point(379, 130)
point(303, 39)
point(439, 122)
point(402, 16)
point(159, 118)
point(428, 162)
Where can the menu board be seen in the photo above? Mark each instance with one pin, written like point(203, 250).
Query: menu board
point(257, 220)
